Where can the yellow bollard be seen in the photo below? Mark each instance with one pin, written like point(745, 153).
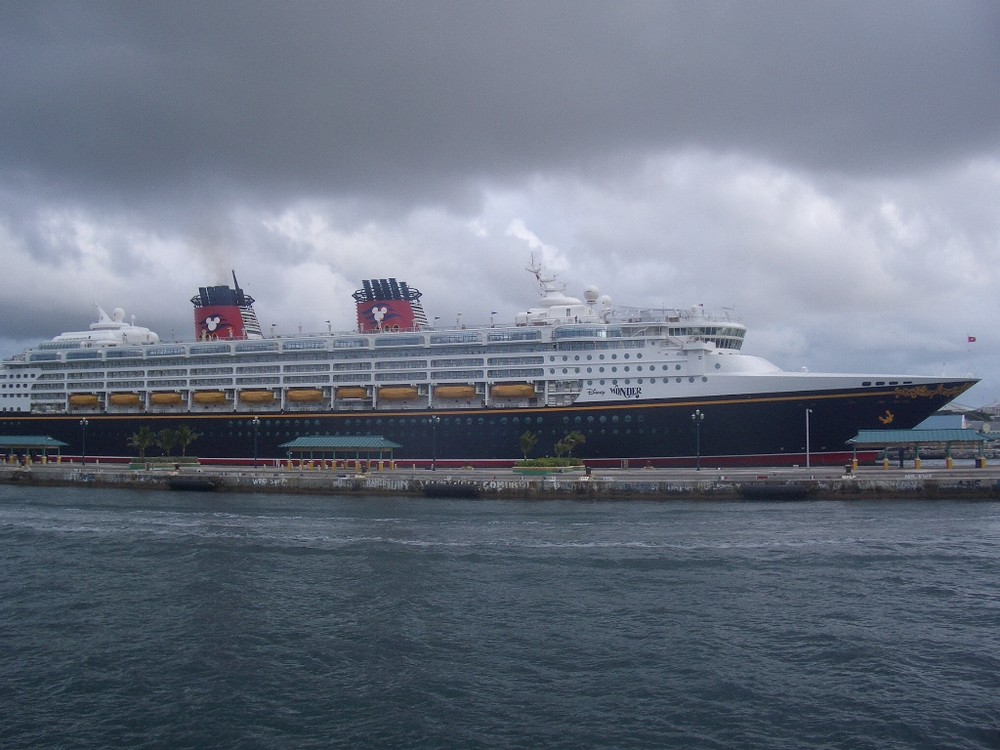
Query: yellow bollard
point(885, 463)
point(949, 463)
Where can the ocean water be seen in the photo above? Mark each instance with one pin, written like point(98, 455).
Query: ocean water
point(189, 620)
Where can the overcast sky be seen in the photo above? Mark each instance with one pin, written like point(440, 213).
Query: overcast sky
point(829, 170)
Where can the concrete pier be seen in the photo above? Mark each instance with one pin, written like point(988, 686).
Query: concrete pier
point(763, 484)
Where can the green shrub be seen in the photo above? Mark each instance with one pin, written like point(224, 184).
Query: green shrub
point(548, 463)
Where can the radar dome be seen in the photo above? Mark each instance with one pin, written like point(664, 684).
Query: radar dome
point(118, 314)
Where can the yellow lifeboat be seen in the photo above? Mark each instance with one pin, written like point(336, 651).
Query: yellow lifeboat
point(455, 391)
point(210, 397)
point(165, 399)
point(125, 399)
point(397, 393)
point(352, 392)
point(305, 395)
point(513, 390)
point(83, 399)
point(257, 397)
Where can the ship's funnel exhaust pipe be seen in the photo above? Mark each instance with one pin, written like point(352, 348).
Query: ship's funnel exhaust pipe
point(388, 305)
point(226, 313)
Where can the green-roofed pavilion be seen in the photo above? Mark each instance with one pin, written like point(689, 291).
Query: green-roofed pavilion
point(342, 447)
point(917, 439)
point(10, 444)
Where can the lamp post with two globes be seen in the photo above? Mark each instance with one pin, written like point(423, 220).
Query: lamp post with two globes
point(697, 418)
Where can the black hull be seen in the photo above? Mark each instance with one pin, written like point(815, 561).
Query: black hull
point(736, 430)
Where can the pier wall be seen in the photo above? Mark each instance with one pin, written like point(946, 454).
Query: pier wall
point(870, 483)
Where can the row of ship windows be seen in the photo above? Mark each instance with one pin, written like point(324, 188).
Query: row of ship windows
point(590, 370)
point(266, 353)
point(350, 366)
point(78, 376)
point(197, 355)
point(507, 339)
point(318, 379)
point(349, 424)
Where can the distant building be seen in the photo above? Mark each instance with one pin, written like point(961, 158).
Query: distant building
point(941, 421)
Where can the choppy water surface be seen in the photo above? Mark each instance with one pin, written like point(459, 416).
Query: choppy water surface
point(190, 620)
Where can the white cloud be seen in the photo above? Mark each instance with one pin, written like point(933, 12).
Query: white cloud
point(837, 187)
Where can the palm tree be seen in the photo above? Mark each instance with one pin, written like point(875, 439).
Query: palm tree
point(561, 447)
point(166, 440)
point(141, 440)
point(572, 440)
point(186, 436)
point(528, 441)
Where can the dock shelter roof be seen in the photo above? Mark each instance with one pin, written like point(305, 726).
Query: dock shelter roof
point(29, 442)
point(355, 445)
point(887, 438)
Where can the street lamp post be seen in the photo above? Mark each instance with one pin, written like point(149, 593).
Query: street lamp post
point(256, 425)
point(808, 412)
point(83, 440)
point(435, 421)
point(697, 418)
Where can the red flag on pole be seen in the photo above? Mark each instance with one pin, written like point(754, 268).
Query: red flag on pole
point(972, 339)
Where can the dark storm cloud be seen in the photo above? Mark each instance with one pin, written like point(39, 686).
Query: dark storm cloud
point(391, 96)
point(826, 168)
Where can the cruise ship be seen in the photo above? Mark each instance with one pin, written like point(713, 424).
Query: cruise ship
point(643, 386)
